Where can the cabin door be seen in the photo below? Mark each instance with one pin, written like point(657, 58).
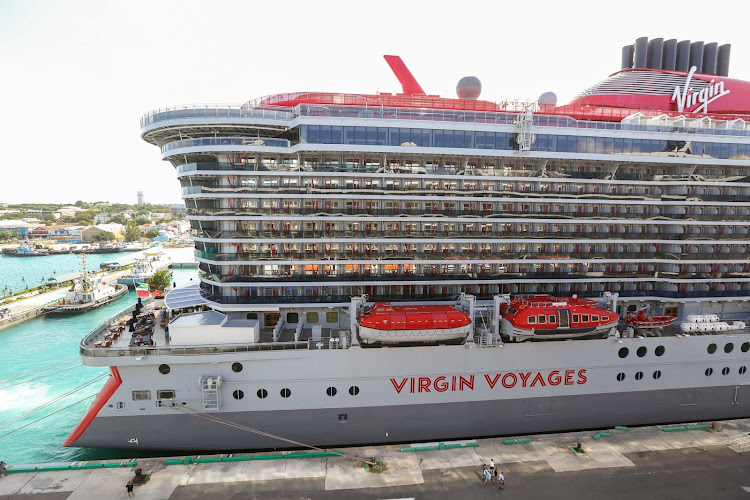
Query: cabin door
point(563, 318)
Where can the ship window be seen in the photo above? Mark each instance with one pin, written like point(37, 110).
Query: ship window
point(584, 318)
point(165, 394)
point(542, 319)
point(141, 395)
point(331, 391)
point(709, 372)
point(725, 370)
point(532, 320)
point(262, 393)
point(620, 377)
point(605, 318)
point(252, 316)
point(552, 318)
point(745, 347)
point(657, 374)
point(236, 367)
point(623, 352)
point(575, 318)
point(659, 350)
point(354, 390)
point(594, 318)
point(638, 375)
point(641, 351)
point(728, 348)
point(238, 394)
point(311, 317)
point(121, 405)
point(332, 317)
point(164, 369)
point(292, 317)
point(711, 348)
point(743, 369)
point(285, 393)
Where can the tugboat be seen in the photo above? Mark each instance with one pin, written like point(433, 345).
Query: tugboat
point(26, 251)
point(386, 323)
point(87, 293)
point(547, 317)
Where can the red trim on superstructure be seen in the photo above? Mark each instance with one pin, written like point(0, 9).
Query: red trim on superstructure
point(101, 399)
point(613, 107)
point(408, 82)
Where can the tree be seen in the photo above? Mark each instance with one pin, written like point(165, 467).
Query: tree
point(132, 233)
point(161, 281)
point(118, 219)
point(141, 220)
point(105, 236)
point(152, 233)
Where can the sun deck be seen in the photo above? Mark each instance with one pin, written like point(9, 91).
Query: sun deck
point(112, 337)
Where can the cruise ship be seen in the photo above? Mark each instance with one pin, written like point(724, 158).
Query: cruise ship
point(319, 217)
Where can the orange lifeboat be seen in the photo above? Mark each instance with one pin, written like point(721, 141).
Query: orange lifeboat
point(384, 322)
point(548, 317)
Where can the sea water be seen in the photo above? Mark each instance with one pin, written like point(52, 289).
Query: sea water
point(46, 349)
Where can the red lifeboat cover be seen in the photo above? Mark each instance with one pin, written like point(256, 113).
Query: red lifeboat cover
point(384, 316)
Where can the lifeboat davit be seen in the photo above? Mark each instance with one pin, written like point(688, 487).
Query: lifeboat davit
point(387, 323)
point(548, 317)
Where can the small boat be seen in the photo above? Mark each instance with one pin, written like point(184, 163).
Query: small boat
point(639, 319)
point(87, 293)
point(386, 323)
point(548, 317)
point(143, 269)
point(26, 251)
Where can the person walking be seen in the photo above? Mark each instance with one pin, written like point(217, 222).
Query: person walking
point(495, 477)
point(3, 469)
point(484, 474)
point(501, 481)
point(129, 488)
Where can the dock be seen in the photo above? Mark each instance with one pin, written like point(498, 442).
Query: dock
point(700, 462)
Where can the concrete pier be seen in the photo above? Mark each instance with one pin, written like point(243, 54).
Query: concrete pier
point(641, 461)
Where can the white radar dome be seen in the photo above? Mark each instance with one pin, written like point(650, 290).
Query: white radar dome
point(548, 99)
point(469, 87)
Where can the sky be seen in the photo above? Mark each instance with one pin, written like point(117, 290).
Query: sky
point(76, 76)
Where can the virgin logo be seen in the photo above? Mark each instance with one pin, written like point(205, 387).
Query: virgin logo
point(687, 98)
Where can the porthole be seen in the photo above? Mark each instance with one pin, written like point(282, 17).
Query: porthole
point(262, 393)
point(331, 391)
point(711, 348)
point(743, 369)
point(638, 375)
point(657, 374)
point(709, 372)
point(745, 347)
point(236, 367)
point(728, 348)
point(354, 390)
point(620, 377)
point(623, 352)
point(238, 394)
point(641, 351)
point(659, 351)
point(725, 370)
point(164, 369)
point(285, 393)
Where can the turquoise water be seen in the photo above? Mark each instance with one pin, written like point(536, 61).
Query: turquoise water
point(18, 273)
point(32, 348)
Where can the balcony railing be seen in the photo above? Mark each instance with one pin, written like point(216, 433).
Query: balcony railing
point(481, 216)
point(225, 141)
point(406, 235)
point(211, 111)
point(457, 258)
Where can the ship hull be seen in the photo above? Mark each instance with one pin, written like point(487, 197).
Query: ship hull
point(180, 430)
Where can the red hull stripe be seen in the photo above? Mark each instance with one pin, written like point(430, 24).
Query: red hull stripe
point(101, 399)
